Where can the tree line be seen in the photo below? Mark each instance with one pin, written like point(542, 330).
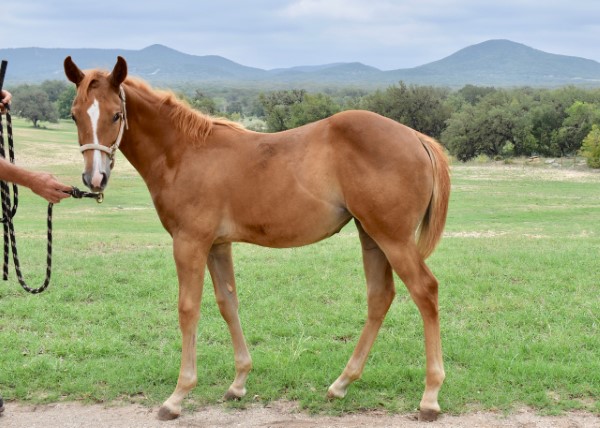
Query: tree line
point(469, 122)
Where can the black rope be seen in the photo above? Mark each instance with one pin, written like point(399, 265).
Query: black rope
point(9, 209)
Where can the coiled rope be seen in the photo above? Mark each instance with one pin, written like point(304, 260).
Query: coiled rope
point(9, 209)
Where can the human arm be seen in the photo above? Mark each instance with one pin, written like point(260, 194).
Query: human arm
point(41, 183)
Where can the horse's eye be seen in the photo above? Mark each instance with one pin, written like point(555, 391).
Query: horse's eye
point(73, 117)
point(116, 117)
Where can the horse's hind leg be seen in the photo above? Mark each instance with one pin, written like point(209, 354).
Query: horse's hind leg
point(423, 288)
point(220, 266)
point(380, 294)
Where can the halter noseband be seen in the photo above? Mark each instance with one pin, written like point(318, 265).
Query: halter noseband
point(124, 125)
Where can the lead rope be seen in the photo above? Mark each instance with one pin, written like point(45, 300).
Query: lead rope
point(9, 209)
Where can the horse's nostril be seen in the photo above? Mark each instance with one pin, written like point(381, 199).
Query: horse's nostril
point(86, 179)
point(104, 180)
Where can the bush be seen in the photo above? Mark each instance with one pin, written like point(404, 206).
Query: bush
point(590, 149)
point(482, 159)
point(508, 150)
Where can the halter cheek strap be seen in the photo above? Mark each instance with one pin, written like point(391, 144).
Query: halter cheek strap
point(124, 125)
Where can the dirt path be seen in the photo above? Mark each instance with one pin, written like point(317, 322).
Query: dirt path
point(281, 414)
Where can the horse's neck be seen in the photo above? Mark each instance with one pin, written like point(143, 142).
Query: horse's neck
point(151, 138)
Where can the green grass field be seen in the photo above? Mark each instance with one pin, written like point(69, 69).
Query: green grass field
point(519, 298)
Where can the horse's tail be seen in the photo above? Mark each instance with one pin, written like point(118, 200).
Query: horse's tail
point(431, 228)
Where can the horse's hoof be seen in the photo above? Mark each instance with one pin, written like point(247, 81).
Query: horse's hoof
point(333, 394)
point(232, 396)
point(428, 415)
point(166, 414)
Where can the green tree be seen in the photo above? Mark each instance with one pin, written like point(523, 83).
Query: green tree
point(312, 108)
point(474, 94)
point(581, 116)
point(545, 119)
point(290, 109)
point(590, 148)
point(498, 126)
point(421, 107)
point(33, 103)
point(277, 106)
point(65, 101)
point(460, 135)
point(54, 88)
point(204, 103)
point(235, 107)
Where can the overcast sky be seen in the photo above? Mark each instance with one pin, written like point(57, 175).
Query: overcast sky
point(387, 34)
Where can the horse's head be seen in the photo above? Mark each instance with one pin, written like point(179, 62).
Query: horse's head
point(99, 112)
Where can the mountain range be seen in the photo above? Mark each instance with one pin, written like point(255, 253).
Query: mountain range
point(498, 63)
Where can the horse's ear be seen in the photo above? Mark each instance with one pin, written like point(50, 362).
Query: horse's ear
point(119, 73)
point(74, 74)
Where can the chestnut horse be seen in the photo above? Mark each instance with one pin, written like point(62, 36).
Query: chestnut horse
point(214, 182)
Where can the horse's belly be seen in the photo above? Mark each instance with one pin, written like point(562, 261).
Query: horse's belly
point(282, 230)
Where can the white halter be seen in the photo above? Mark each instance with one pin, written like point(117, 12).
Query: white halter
point(124, 125)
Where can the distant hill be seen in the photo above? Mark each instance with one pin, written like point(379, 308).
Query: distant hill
point(491, 63)
point(155, 63)
point(505, 63)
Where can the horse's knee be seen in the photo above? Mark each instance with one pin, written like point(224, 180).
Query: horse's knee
point(188, 312)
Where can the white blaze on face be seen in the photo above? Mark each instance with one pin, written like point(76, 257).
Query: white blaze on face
point(94, 114)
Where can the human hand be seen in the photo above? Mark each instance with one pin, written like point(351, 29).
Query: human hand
point(5, 98)
point(49, 188)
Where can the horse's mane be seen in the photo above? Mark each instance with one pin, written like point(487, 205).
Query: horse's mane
point(194, 124)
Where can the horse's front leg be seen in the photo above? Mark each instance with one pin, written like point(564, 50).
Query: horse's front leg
point(190, 260)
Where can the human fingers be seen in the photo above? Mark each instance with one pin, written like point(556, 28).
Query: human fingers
point(58, 195)
point(62, 191)
point(53, 181)
point(5, 100)
point(6, 97)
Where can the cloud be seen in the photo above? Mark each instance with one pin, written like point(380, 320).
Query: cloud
point(278, 33)
point(336, 10)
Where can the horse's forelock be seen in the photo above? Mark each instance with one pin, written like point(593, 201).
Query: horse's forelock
point(88, 82)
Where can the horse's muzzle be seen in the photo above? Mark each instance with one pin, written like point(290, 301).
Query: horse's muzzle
point(95, 184)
